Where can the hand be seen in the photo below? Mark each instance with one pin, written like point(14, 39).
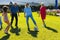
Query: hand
point(18, 14)
point(10, 14)
point(24, 15)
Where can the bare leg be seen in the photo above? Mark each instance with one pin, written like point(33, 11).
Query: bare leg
point(7, 28)
point(44, 23)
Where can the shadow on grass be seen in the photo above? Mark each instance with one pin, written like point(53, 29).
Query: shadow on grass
point(33, 33)
point(6, 37)
point(54, 30)
point(15, 30)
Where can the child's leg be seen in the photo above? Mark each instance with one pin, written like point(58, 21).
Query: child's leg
point(7, 28)
point(43, 22)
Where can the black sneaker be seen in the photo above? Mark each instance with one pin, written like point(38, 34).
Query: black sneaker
point(15, 25)
point(12, 27)
point(0, 28)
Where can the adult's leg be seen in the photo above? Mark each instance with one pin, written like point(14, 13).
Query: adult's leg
point(12, 18)
point(35, 27)
point(16, 17)
point(33, 20)
point(27, 19)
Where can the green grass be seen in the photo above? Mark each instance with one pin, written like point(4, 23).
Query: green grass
point(45, 33)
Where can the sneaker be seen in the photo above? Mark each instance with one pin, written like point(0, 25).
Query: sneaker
point(16, 25)
point(35, 29)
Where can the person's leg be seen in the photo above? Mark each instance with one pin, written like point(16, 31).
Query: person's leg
point(33, 20)
point(43, 22)
point(16, 17)
point(35, 27)
point(12, 18)
point(7, 28)
point(43, 18)
point(27, 19)
point(0, 26)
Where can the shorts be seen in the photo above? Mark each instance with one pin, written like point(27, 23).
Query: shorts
point(6, 20)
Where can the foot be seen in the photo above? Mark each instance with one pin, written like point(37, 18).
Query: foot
point(6, 32)
point(16, 25)
point(11, 26)
point(36, 29)
point(44, 25)
point(0, 28)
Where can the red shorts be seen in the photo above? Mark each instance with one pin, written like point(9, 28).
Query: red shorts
point(43, 16)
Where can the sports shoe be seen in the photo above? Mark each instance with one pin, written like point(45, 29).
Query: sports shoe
point(35, 29)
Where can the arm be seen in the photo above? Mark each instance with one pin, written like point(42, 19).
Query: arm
point(10, 10)
point(18, 10)
point(2, 14)
point(24, 13)
point(38, 12)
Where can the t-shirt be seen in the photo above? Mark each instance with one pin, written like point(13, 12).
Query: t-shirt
point(27, 11)
point(43, 10)
point(14, 9)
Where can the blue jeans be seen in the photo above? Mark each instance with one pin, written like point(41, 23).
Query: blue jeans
point(27, 19)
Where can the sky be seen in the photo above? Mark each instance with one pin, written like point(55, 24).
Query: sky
point(46, 2)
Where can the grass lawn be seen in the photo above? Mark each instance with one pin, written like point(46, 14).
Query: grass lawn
point(51, 32)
